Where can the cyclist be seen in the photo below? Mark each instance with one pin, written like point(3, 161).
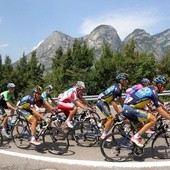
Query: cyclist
point(145, 82)
point(134, 104)
point(8, 101)
point(46, 95)
point(109, 96)
point(70, 100)
point(27, 109)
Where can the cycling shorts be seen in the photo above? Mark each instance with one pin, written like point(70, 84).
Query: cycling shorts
point(134, 114)
point(24, 113)
point(104, 108)
point(65, 107)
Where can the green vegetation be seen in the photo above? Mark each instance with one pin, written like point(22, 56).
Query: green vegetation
point(79, 63)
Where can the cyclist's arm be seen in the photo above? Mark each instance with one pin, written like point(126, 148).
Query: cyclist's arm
point(10, 106)
point(115, 106)
point(163, 113)
point(80, 104)
point(121, 101)
point(48, 106)
point(83, 101)
point(37, 114)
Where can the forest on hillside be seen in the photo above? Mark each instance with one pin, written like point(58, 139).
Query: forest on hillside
point(79, 64)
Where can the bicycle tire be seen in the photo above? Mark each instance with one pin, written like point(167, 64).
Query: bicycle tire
point(56, 141)
point(118, 148)
point(1, 139)
point(161, 145)
point(21, 135)
point(85, 133)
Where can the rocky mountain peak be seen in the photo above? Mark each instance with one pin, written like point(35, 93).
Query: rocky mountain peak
point(103, 34)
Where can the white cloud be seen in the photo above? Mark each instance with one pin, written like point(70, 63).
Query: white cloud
point(124, 22)
point(4, 45)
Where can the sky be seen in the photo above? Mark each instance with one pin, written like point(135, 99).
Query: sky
point(26, 23)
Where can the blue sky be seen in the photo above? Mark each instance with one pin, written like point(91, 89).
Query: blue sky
point(25, 23)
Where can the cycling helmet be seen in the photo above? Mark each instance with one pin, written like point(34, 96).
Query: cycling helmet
point(80, 85)
point(11, 85)
point(49, 87)
point(38, 89)
point(145, 81)
point(122, 76)
point(160, 79)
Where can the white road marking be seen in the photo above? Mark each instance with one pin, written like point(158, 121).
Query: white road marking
point(89, 163)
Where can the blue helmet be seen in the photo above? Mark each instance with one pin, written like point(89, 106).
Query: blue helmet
point(122, 76)
point(160, 79)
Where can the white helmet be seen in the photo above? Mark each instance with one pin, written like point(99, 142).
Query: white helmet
point(80, 85)
point(11, 85)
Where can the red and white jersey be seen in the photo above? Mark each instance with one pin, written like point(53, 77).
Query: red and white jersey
point(69, 96)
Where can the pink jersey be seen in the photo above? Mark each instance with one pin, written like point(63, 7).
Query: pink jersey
point(134, 88)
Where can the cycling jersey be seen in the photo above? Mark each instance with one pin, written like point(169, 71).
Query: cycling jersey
point(69, 96)
point(66, 100)
point(111, 93)
point(46, 95)
point(7, 96)
point(28, 102)
point(134, 88)
point(140, 98)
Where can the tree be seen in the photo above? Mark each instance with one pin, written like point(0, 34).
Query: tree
point(21, 74)
point(7, 73)
point(35, 72)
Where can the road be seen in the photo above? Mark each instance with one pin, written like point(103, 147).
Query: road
point(84, 158)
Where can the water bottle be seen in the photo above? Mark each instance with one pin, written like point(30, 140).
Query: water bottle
point(10, 122)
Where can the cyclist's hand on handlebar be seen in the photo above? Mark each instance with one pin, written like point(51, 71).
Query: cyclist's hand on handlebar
point(46, 119)
point(54, 110)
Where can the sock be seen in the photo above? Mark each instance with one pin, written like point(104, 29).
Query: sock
point(137, 135)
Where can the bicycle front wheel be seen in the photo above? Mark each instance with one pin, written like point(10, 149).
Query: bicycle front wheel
point(21, 135)
point(1, 139)
point(161, 146)
point(85, 133)
point(56, 141)
point(116, 147)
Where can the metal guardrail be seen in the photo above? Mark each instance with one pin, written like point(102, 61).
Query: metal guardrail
point(94, 97)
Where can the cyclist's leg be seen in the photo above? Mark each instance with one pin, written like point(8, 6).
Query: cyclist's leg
point(147, 117)
point(33, 120)
point(4, 122)
point(70, 110)
point(105, 109)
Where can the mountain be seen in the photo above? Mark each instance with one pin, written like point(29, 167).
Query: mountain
point(104, 34)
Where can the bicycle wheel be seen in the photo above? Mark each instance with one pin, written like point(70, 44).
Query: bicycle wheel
point(56, 141)
point(161, 145)
point(116, 147)
point(86, 133)
point(1, 139)
point(21, 135)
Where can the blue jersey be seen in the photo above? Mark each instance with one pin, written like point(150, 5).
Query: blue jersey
point(111, 93)
point(29, 101)
point(141, 97)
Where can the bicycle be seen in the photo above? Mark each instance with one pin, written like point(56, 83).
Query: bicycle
point(85, 131)
point(55, 140)
point(121, 147)
point(1, 138)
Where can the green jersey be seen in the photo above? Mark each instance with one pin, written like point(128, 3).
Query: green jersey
point(7, 96)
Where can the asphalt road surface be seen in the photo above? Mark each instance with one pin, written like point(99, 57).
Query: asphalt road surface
point(84, 158)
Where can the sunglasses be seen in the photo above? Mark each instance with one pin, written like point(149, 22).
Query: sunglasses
point(39, 93)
